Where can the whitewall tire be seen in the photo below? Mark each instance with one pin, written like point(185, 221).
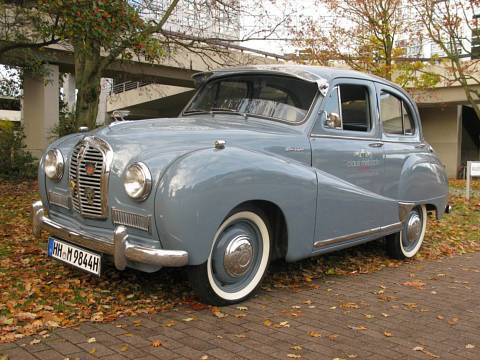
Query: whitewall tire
point(238, 259)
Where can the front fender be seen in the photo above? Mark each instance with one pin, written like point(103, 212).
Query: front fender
point(199, 189)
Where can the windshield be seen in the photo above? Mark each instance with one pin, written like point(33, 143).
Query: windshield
point(277, 97)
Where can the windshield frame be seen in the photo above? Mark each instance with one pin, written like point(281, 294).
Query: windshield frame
point(317, 95)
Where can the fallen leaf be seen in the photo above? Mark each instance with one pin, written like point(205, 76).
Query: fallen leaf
point(156, 343)
point(385, 315)
point(387, 333)
point(453, 321)
point(296, 347)
point(124, 348)
point(217, 313)
point(417, 284)
point(204, 357)
point(357, 328)
point(294, 356)
point(349, 305)
point(314, 333)
point(284, 324)
point(241, 336)
point(267, 323)
point(242, 308)
point(333, 337)
point(169, 323)
point(410, 305)
point(93, 351)
point(469, 346)
point(188, 319)
point(91, 340)
point(4, 357)
point(440, 317)
point(25, 316)
point(35, 342)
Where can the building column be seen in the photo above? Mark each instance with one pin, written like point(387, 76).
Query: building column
point(105, 88)
point(40, 109)
point(69, 91)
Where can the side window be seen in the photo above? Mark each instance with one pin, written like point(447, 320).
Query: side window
point(395, 116)
point(355, 109)
point(351, 104)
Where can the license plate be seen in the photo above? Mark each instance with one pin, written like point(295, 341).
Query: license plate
point(75, 256)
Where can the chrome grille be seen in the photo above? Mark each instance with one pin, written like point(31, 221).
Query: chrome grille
point(120, 217)
point(58, 199)
point(89, 168)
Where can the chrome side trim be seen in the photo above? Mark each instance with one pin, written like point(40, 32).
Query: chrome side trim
point(378, 230)
point(137, 221)
point(117, 245)
point(59, 199)
point(328, 136)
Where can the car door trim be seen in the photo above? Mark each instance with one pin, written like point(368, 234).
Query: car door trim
point(345, 238)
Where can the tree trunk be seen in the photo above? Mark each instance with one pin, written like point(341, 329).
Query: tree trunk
point(87, 76)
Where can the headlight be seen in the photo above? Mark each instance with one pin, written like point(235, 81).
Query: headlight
point(138, 181)
point(53, 165)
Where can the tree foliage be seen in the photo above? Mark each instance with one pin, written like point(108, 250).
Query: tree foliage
point(454, 28)
point(364, 35)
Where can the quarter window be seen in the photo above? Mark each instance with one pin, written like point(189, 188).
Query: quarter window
point(395, 116)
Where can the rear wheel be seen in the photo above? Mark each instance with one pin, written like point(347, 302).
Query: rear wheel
point(238, 259)
point(407, 242)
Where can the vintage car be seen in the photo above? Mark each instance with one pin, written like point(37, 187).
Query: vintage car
point(265, 162)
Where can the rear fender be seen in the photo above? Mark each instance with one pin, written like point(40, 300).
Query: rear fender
point(423, 180)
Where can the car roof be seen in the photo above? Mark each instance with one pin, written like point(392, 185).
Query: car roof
point(304, 72)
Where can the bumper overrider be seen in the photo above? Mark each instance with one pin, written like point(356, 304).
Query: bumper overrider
point(117, 245)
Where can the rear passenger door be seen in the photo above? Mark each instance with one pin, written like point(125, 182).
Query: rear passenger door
point(400, 136)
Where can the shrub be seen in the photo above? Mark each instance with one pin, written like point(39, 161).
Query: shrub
point(15, 162)
point(66, 125)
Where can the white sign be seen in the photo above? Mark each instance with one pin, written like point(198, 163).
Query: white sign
point(473, 169)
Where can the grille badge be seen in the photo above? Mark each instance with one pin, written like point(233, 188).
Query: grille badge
point(89, 194)
point(90, 168)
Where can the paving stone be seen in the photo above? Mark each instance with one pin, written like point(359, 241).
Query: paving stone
point(412, 322)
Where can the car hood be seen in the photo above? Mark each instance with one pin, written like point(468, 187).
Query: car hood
point(149, 140)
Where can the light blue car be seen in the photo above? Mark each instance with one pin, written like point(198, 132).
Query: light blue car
point(265, 162)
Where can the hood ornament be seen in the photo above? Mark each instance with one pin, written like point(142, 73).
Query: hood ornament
point(219, 144)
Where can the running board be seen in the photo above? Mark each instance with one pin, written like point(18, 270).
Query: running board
point(361, 234)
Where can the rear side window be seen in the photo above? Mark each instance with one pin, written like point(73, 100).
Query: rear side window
point(395, 115)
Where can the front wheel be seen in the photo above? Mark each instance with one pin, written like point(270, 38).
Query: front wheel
point(238, 259)
point(406, 243)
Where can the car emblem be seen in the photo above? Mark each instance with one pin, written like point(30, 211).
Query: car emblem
point(90, 195)
point(90, 168)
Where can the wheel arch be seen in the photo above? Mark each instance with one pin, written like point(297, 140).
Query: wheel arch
point(277, 222)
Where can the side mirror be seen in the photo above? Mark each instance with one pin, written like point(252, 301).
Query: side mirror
point(333, 121)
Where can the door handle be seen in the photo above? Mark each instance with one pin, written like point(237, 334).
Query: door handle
point(376, 144)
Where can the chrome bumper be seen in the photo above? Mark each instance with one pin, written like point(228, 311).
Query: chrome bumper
point(117, 246)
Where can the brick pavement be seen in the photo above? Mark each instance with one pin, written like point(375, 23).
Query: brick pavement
point(385, 315)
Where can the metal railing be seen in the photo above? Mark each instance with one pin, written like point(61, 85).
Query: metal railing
point(128, 85)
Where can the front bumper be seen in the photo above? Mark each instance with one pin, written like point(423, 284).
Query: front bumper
point(118, 245)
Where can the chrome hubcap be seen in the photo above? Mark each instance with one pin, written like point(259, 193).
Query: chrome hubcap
point(238, 256)
point(414, 228)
